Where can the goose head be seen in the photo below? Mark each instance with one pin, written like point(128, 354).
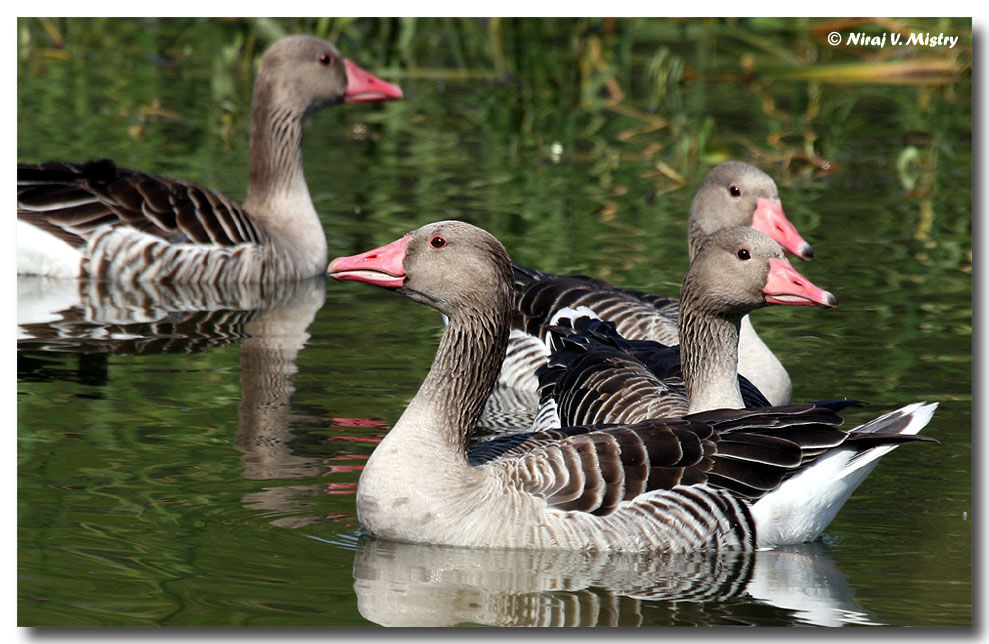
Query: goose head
point(451, 266)
point(739, 194)
point(303, 73)
point(739, 269)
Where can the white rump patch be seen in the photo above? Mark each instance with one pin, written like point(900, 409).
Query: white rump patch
point(40, 253)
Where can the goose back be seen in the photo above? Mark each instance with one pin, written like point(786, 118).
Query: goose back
point(595, 375)
point(541, 296)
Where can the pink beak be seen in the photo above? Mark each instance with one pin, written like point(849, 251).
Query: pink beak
point(769, 219)
point(363, 86)
point(382, 266)
point(785, 285)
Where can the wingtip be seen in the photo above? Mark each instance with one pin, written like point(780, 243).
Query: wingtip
point(920, 413)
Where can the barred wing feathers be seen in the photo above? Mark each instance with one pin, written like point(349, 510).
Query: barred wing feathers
point(72, 201)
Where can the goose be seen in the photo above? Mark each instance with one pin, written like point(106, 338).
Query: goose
point(98, 220)
point(732, 194)
point(598, 376)
point(721, 479)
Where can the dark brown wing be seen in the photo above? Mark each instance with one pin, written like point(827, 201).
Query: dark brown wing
point(72, 200)
point(745, 452)
point(760, 448)
point(593, 469)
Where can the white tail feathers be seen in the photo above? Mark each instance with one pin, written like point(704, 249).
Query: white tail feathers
point(801, 508)
point(919, 414)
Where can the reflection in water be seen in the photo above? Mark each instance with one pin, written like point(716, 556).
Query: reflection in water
point(95, 319)
point(267, 364)
point(399, 584)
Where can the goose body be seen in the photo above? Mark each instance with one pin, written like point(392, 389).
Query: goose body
point(682, 484)
point(732, 194)
point(98, 220)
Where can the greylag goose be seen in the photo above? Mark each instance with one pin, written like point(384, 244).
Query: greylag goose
point(98, 220)
point(722, 479)
point(732, 194)
point(598, 376)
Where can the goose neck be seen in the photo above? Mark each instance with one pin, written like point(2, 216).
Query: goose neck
point(277, 194)
point(709, 358)
point(462, 376)
point(276, 173)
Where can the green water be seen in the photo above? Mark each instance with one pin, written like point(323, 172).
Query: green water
point(204, 472)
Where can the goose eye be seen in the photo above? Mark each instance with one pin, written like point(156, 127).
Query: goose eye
point(437, 242)
point(743, 254)
point(735, 191)
point(325, 58)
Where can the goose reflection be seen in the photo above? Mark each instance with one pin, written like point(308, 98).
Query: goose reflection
point(401, 584)
point(96, 319)
point(99, 317)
